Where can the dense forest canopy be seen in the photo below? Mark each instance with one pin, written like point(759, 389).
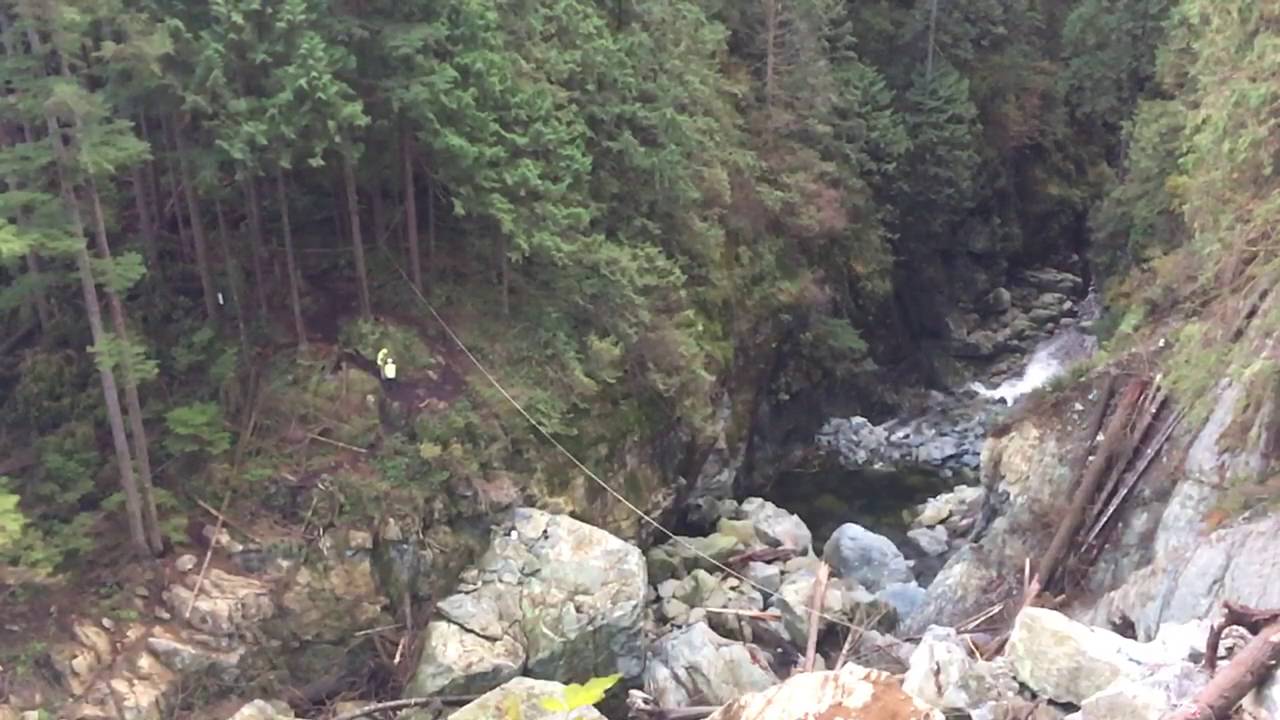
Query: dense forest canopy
point(634, 210)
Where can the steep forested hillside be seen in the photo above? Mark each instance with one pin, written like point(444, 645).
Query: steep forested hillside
point(655, 222)
point(632, 207)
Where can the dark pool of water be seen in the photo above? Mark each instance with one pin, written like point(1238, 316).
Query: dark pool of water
point(880, 500)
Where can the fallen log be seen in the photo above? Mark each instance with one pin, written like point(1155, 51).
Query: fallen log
point(816, 605)
point(1131, 480)
point(1246, 671)
point(406, 704)
point(1115, 439)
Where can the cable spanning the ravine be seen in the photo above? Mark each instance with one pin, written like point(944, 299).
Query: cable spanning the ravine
point(586, 470)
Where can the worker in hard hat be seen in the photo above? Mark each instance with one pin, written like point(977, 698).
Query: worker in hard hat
point(386, 365)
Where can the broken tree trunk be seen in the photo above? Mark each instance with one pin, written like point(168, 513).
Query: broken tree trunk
point(1096, 532)
point(1246, 671)
point(1115, 438)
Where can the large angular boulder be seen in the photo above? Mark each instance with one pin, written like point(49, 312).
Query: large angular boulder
point(553, 598)
point(852, 693)
point(944, 674)
point(855, 553)
point(774, 526)
point(1069, 662)
point(695, 666)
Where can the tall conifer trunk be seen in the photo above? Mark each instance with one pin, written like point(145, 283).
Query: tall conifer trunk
point(197, 227)
point(233, 277)
point(411, 209)
point(357, 242)
point(138, 432)
point(175, 187)
point(106, 373)
point(432, 273)
point(378, 212)
point(146, 227)
point(295, 299)
point(256, 244)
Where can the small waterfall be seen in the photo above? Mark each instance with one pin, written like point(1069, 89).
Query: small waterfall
point(1050, 359)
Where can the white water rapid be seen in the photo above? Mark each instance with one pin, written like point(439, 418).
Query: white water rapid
point(1050, 359)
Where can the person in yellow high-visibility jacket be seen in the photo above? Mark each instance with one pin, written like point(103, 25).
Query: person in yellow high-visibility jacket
point(386, 365)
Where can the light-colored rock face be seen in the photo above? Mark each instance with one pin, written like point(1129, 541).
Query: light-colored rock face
point(228, 605)
point(943, 673)
point(1237, 564)
point(456, 661)
point(552, 598)
point(522, 698)
point(695, 666)
point(852, 693)
point(763, 575)
point(1069, 662)
point(872, 560)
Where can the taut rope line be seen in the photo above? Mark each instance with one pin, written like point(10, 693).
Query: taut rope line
point(586, 470)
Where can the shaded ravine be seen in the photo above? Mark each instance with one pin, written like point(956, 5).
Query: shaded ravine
point(877, 475)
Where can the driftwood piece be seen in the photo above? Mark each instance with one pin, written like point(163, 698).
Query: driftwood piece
point(816, 606)
point(1250, 619)
point(1115, 438)
point(1094, 424)
point(644, 707)
point(406, 703)
point(765, 555)
point(1246, 671)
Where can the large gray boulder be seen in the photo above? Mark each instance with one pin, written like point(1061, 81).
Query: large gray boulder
point(695, 666)
point(553, 598)
point(856, 553)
